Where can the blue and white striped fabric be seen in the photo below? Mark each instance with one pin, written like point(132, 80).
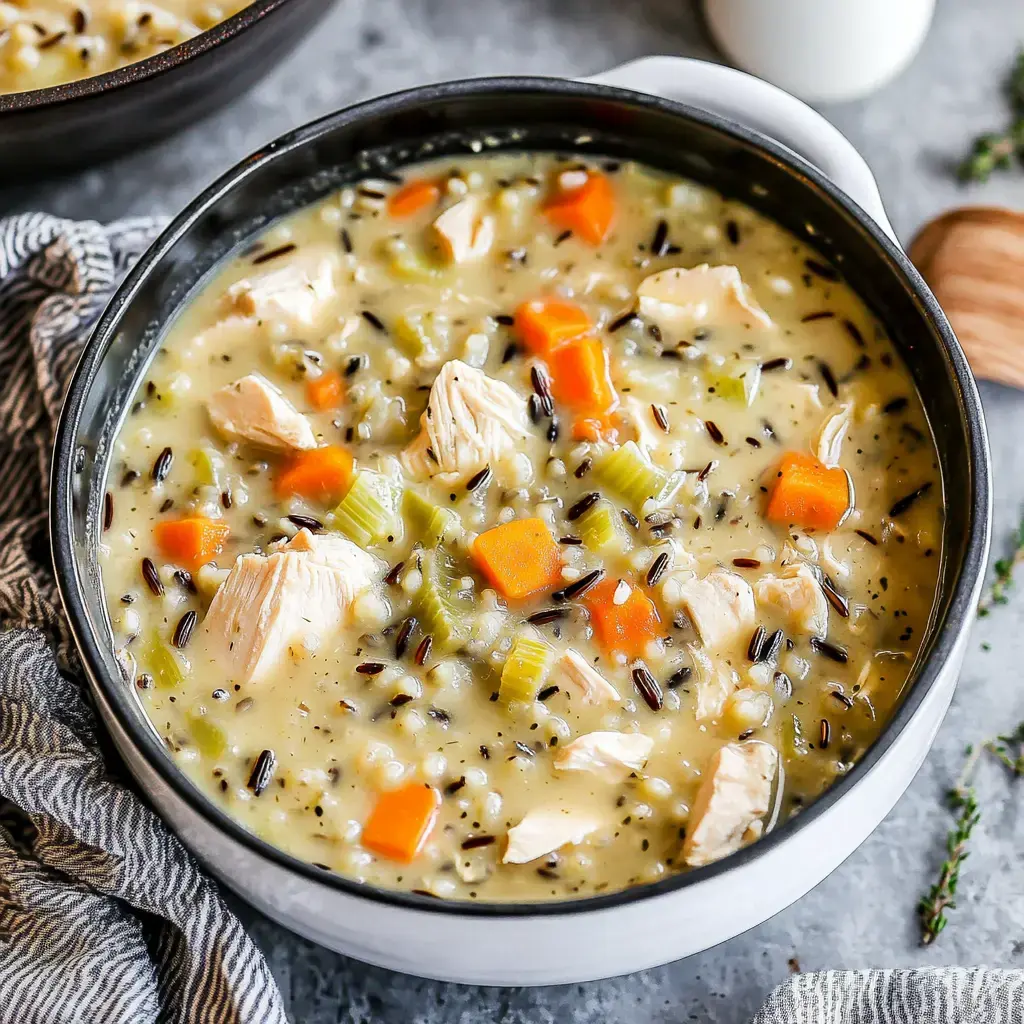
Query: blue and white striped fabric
point(104, 916)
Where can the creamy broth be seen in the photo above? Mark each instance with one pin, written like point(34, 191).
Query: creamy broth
point(48, 42)
point(750, 636)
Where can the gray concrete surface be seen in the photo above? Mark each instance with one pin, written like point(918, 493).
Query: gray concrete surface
point(911, 133)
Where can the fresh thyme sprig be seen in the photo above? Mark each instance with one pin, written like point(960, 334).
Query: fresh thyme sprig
point(1004, 574)
point(963, 799)
point(996, 150)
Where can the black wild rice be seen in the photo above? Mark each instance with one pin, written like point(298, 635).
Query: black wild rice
point(162, 466)
point(822, 315)
point(842, 698)
point(654, 331)
point(829, 650)
point(822, 270)
point(524, 749)
point(896, 405)
point(619, 322)
point(374, 321)
point(563, 237)
point(905, 502)
point(570, 540)
point(657, 569)
point(183, 630)
point(768, 430)
point(423, 651)
point(354, 365)
point(746, 563)
point(707, 470)
point(504, 319)
point(755, 648)
point(166, 504)
point(396, 570)
point(853, 331)
point(825, 735)
point(144, 681)
point(226, 500)
point(782, 363)
point(439, 715)
point(772, 646)
point(587, 502)
point(475, 842)
point(712, 428)
point(219, 694)
point(533, 408)
point(78, 21)
point(630, 518)
point(732, 232)
point(479, 479)
point(579, 587)
point(870, 538)
point(262, 771)
point(659, 243)
point(547, 693)
point(648, 687)
point(432, 455)
point(542, 388)
point(371, 668)
point(553, 430)
point(841, 605)
point(660, 416)
point(828, 377)
point(583, 468)
point(305, 523)
point(129, 477)
point(401, 698)
point(679, 677)
point(547, 615)
point(108, 511)
point(272, 254)
point(511, 351)
point(453, 787)
point(152, 577)
point(346, 240)
point(402, 640)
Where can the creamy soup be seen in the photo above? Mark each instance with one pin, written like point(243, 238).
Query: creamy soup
point(48, 42)
point(526, 528)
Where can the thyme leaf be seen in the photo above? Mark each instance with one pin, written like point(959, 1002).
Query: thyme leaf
point(996, 150)
point(1004, 568)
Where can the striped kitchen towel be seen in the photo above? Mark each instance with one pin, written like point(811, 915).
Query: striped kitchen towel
point(104, 916)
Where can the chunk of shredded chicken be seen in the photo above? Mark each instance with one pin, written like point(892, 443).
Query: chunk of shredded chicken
point(544, 829)
point(297, 292)
point(253, 409)
point(586, 680)
point(721, 605)
point(610, 755)
point(733, 798)
point(680, 299)
point(795, 593)
point(471, 421)
point(464, 232)
point(829, 446)
point(289, 601)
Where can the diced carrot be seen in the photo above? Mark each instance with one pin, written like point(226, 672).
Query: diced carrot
point(581, 377)
point(519, 558)
point(325, 391)
point(625, 628)
point(544, 324)
point(401, 820)
point(411, 198)
point(192, 541)
point(808, 493)
point(321, 474)
point(587, 210)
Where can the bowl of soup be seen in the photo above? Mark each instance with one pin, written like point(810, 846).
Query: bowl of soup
point(522, 508)
point(83, 81)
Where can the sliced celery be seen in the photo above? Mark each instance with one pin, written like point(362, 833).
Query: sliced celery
point(601, 528)
point(525, 670)
point(369, 512)
point(207, 466)
point(629, 475)
point(209, 738)
point(167, 666)
point(410, 263)
point(427, 522)
point(437, 606)
point(737, 380)
point(423, 335)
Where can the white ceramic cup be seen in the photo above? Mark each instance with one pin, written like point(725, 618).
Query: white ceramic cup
point(821, 50)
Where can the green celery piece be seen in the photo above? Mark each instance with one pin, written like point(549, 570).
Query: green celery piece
point(167, 666)
point(737, 380)
point(369, 512)
point(208, 466)
point(429, 523)
point(439, 611)
point(601, 528)
point(628, 473)
point(525, 670)
point(409, 263)
point(422, 335)
point(210, 739)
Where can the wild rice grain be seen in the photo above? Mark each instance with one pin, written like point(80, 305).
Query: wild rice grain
point(829, 378)
point(547, 615)
point(475, 842)
point(480, 479)
point(707, 470)
point(660, 416)
point(108, 511)
point(184, 578)
point(263, 769)
point(825, 735)
point(511, 351)
point(824, 314)
point(355, 364)
point(829, 650)
point(619, 322)
point(152, 577)
point(772, 646)
point(905, 502)
point(273, 254)
point(854, 332)
point(162, 466)
point(583, 468)
point(648, 687)
point(183, 631)
point(756, 646)
point(542, 388)
point(896, 405)
point(374, 321)
point(659, 244)
point(402, 640)
point(346, 241)
point(838, 602)
point(716, 435)
point(587, 502)
point(630, 518)
point(822, 270)
point(392, 577)
point(679, 677)
point(579, 587)
point(423, 651)
point(746, 563)
point(657, 569)
point(782, 363)
point(547, 693)
point(371, 668)
point(870, 538)
point(305, 523)
point(732, 232)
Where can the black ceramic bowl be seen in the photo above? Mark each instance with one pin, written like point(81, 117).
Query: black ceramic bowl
point(48, 131)
point(527, 943)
